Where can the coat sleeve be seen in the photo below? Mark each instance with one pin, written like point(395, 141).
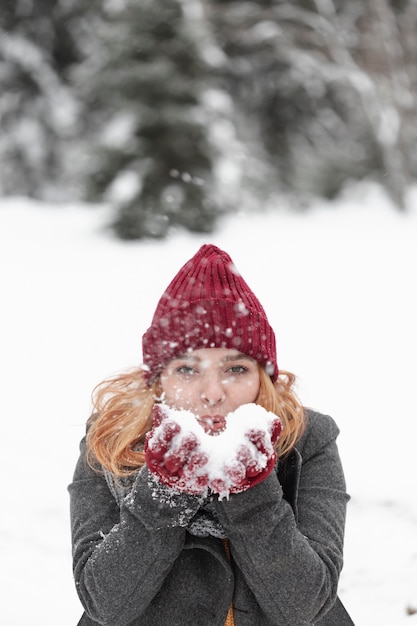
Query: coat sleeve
point(121, 556)
point(293, 566)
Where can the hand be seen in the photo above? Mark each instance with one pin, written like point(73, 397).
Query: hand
point(175, 457)
point(255, 459)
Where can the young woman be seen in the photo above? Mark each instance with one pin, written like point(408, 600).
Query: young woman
point(205, 494)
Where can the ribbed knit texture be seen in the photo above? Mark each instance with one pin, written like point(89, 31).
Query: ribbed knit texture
point(208, 305)
point(230, 619)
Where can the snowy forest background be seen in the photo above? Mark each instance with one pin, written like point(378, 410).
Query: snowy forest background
point(177, 111)
point(285, 133)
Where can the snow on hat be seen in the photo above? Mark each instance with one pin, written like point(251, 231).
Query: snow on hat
point(208, 305)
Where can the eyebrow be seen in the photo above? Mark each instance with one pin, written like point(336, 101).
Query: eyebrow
point(238, 357)
point(230, 357)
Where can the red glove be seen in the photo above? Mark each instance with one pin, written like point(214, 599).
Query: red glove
point(255, 459)
point(175, 457)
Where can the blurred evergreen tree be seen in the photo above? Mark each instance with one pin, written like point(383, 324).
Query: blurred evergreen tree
point(38, 108)
point(144, 80)
point(155, 106)
point(324, 114)
point(47, 25)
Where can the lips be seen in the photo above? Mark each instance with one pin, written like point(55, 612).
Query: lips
point(212, 424)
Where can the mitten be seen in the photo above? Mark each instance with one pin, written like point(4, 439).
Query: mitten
point(255, 458)
point(174, 455)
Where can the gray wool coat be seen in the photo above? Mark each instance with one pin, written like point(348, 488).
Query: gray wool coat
point(137, 565)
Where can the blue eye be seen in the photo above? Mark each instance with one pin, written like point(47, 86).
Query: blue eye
point(186, 370)
point(237, 369)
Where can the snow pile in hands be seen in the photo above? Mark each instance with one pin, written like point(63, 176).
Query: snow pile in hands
point(186, 458)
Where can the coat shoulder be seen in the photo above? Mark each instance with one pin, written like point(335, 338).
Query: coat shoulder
point(320, 431)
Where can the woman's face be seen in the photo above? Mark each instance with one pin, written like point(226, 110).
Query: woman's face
point(210, 383)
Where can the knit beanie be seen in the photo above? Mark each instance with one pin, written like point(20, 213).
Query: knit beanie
point(208, 305)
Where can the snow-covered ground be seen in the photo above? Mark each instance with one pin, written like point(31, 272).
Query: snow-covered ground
point(338, 284)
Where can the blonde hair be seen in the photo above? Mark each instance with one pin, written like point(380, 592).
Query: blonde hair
point(123, 415)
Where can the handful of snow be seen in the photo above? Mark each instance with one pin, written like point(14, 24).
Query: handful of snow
point(183, 456)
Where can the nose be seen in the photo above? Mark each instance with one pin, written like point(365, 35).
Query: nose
point(212, 392)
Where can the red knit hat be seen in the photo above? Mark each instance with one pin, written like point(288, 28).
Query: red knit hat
point(208, 305)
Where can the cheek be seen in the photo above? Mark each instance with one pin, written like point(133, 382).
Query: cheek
point(250, 390)
point(177, 395)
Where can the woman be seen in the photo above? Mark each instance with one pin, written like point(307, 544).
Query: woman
point(205, 494)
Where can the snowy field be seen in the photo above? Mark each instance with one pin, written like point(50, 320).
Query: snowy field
point(338, 284)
